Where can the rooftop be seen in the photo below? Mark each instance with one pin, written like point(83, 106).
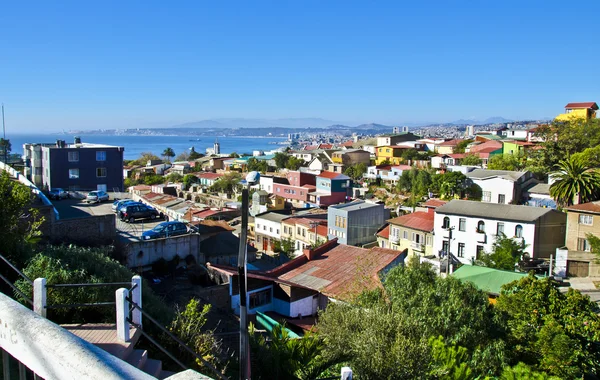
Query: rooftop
point(385, 232)
point(332, 175)
point(591, 207)
point(591, 105)
point(486, 174)
point(540, 188)
point(493, 210)
point(487, 279)
point(354, 205)
point(419, 220)
point(272, 216)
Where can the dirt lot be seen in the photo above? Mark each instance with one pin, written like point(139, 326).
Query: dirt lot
point(77, 208)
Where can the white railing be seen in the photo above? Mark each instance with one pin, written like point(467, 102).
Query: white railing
point(416, 246)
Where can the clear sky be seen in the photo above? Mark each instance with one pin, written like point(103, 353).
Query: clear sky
point(104, 64)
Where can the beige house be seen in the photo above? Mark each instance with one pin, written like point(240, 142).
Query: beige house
point(411, 232)
point(575, 259)
point(302, 230)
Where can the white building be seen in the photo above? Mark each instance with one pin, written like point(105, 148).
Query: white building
point(518, 134)
point(267, 228)
point(501, 186)
point(475, 226)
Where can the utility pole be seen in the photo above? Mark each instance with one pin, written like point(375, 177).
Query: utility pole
point(450, 229)
point(4, 136)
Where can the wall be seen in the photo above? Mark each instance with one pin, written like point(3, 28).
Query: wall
point(576, 230)
point(145, 252)
point(550, 234)
point(88, 231)
point(291, 192)
point(497, 186)
point(304, 307)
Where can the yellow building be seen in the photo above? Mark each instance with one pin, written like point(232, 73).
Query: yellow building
point(411, 232)
point(586, 110)
point(393, 154)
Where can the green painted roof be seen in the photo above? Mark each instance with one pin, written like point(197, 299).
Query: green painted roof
point(487, 279)
point(269, 323)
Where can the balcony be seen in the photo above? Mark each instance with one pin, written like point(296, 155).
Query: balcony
point(394, 239)
point(417, 246)
point(481, 236)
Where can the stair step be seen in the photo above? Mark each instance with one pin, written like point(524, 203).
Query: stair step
point(152, 367)
point(165, 374)
point(137, 358)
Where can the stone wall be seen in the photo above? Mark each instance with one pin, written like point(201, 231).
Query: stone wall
point(145, 252)
point(89, 231)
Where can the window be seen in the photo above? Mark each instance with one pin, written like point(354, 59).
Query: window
point(303, 232)
point(100, 172)
point(501, 198)
point(429, 240)
point(461, 249)
point(278, 231)
point(588, 220)
point(481, 227)
point(445, 246)
point(73, 156)
point(405, 234)
point(298, 230)
point(486, 196)
point(479, 252)
point(73, 173)
point(100, 156)
point(258, 226)
point(446, 223)
point(260, 298)
point(462, 224)
point(270, 229)
point(583, 245)
point(500, 229)
point(518, 231)
point(264, 228)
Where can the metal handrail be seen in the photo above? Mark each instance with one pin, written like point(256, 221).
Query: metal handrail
point(72, 305)
point(176, 339)
point(30, 301)
point(164, 350)
point(16, 270)
point(93, 284)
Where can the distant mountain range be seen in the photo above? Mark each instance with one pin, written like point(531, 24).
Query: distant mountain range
point(489, 120)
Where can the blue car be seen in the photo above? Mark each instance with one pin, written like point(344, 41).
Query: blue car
point(165, 229)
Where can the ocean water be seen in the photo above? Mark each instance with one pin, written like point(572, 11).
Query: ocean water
point(134, 145)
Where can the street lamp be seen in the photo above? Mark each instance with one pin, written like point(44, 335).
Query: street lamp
point(448, 254)
point(251, 179)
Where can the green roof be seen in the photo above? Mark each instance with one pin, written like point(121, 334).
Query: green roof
point(487, 279)
point(269, 324)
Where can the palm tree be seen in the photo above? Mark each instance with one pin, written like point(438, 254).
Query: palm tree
point(574, 181)
point(168, 154)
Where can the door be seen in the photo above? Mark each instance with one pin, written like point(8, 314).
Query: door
point(578, 268)
point(102, 187)
point(265, 244)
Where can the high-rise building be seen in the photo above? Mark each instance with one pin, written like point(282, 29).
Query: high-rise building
point(217, 147)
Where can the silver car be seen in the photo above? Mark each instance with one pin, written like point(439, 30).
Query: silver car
point(122, 202)
point(97, 196)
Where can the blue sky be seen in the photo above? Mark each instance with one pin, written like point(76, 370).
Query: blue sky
point(108, 64)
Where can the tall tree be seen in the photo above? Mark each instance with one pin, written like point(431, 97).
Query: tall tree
point(574, 181)
point(281, 160)
point(5, 148)
point(506, 253)
point(168, 154)
point(356, 171)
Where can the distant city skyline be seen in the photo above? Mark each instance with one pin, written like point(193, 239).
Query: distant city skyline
point(116, 65)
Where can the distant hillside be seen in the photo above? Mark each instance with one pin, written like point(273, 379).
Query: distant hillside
point(259, 123)
point(489, 120)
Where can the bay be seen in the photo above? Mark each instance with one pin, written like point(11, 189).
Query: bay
point(135, 145)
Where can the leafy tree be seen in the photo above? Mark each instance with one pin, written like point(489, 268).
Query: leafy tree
point(168, 153)
point(506, 253)
point(551, 331)
point(5, 147)
point(174, 177)
point(189, 180)
point(152, 179)
point(128, 182)
point(234, 155)
point(285, 246)
point(575, 181)
point(189, 326)
point(410, 154)
point(195, 155)
point(144, 158)
point(449, 361)
point(523, 371)
point(461, 146)
point(385, 333)
point(183, 156)
point(590, 155)
point(513, 162)
point(594, 244)
point(281, 160)
point(356, 171)
point(277, 356)
point(471, 159)
point(255, 164)
point(228, 183)
point(295, 163)
point(451, 184)
point(19, 222)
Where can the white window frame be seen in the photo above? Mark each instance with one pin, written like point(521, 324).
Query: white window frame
point(586, 220)
point(72, 174)
point(73, 156)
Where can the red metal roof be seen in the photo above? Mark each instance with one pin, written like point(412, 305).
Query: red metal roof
point(488, 146)
point(402, 167)
point(591, 105)
point(330, 175)
point(335, 272)
point(325, 146)
point(451, 142)
point(209, 175)
point(348, 143)
point(422, 221)
point(593, 207)
point(385, 233)
point(311, 147)
point(433, 203)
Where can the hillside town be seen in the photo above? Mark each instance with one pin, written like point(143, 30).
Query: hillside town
point(318, 223)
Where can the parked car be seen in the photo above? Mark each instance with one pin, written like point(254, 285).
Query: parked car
point(58, 194)
point(121, 202)
point(131, 212)
point(97, 196)
point(165, 230)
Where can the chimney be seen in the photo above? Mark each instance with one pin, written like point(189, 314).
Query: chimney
point(312, 254)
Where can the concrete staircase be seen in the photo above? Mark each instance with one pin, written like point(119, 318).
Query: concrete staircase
point(104, 336)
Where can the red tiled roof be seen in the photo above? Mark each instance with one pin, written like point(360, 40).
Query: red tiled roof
point(385, 233)
point(486, 146)
point(322, 230)
point(451, 142)
point(335, 271)
point(456, 155)
point(330, 175)
point(325, 146)
point(593, 207)
point(433, 203)
point(311, 147)
point(422, 221)
point(402, 167)
point(591, 105)
point(348, 143)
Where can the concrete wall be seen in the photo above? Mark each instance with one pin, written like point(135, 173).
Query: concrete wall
point(89, 231)
point(575, 230)
point(145, 252)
